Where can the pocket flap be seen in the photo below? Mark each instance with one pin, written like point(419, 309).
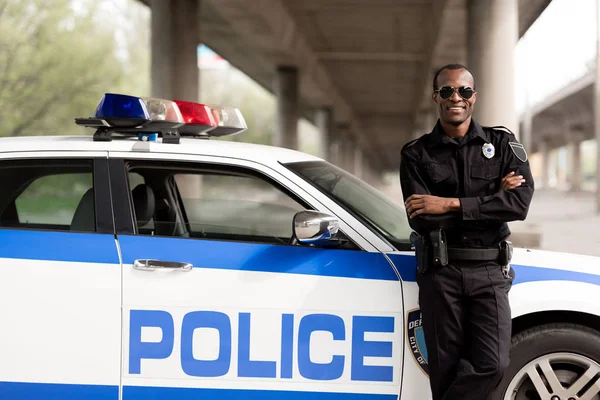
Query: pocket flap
point(438, 172)
point(485, 171)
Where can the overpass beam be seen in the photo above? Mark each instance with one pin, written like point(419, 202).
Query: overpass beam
point(175, 30)
point(492, 38)
point(287, 94)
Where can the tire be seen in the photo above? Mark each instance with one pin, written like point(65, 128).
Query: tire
point(566, 351)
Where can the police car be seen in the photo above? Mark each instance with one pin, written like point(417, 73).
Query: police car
point(146, 261)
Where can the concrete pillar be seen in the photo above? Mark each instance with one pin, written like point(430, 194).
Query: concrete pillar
point(545, 150)
point(527, 129)
point(324, 123)
point(492, 36)
point(286, 92)
point(597, 107)
point(175, 32)
point(334, 150)
point(371, 172)
point(339, 137)
point(358, 162)
point(349, 149)
point(575, 159)
point(366, 170)
point(175, 26)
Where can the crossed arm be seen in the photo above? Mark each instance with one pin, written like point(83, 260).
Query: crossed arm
point(428, 212)
point(418, 204)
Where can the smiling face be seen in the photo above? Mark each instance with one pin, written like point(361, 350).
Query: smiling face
point(455, 110)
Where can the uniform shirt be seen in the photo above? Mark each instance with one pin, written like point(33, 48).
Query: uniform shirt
point(441, 166)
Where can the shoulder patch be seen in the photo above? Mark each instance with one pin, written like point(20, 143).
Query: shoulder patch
point(518, 150)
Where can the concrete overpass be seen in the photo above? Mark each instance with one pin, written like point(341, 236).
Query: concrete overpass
point(565, 118)
point(361, 70)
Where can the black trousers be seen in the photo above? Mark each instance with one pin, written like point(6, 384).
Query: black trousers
point(467, 326)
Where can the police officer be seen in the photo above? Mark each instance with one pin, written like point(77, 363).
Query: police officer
point(461, 184)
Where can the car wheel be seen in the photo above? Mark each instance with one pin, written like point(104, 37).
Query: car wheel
point(553, 362)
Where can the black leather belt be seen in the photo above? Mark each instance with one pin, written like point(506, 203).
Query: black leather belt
point(474, 254)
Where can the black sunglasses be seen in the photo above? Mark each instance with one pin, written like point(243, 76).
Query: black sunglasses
point(465, 92)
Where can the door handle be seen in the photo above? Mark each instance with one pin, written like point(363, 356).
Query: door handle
point(152, 265)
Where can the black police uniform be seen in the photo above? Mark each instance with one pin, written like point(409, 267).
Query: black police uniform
point(464, 304)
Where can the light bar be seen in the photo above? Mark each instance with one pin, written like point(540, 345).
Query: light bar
point(217, 120)
point(229, 121)
point(140, 116)
point(198, 118)
point(163, 113)
point(122, 111)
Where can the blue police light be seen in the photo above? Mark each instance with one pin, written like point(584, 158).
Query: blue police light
point(122, 111)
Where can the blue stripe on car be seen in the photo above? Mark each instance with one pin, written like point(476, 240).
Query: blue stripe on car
point(258, 257)
point(168, 393)
point(58, 246)
point(101, 248)
point(56, 391)
point(61, 391)
point(406, 265)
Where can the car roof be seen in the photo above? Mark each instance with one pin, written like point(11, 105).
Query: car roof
point(196, 146)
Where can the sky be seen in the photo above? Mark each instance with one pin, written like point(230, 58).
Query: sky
point(558, 48)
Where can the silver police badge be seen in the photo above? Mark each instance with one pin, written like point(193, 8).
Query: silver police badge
point(488, 150)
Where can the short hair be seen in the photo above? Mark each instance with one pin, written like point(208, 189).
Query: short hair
point(452, 67)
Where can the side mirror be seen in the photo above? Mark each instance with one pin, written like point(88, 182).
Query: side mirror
point(313, 227)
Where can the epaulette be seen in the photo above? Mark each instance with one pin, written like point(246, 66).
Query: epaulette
point(500, 127)
point(408, 144)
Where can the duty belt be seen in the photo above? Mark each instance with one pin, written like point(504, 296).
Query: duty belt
point(474, 254)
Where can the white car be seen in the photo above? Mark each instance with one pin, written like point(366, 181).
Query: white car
point(148, 261)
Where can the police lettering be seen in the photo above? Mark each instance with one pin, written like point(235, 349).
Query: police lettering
point(246, 367)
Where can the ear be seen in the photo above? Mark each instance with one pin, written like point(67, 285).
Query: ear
point(434, 97)
point(474, 97)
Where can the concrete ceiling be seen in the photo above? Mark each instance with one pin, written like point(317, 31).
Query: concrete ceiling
point(370, 60)
point(566, 115)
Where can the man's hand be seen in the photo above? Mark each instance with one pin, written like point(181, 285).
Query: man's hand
point(511, 181)
point(418, 204)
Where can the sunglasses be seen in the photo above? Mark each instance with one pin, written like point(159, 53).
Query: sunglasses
point(465, 92)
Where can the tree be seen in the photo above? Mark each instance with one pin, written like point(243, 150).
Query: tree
point(56, 61)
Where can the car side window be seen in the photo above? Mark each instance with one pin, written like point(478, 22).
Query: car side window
point(47, 195)
point(246, 206)
point(211, 204)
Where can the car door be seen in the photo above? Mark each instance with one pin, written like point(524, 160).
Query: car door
point(219, 304)
point(60, 280)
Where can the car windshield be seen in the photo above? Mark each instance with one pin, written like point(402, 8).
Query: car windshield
point(377, 211)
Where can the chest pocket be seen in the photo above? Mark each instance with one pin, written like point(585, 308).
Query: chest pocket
point(442, 180)
point(485, 178)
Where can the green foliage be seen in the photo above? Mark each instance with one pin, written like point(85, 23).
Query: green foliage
point(53, 198)
point(58, 57)
point(56, 61)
